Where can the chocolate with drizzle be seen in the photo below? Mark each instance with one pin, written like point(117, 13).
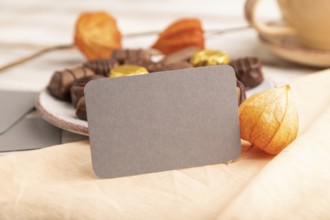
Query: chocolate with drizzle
point(61, 81)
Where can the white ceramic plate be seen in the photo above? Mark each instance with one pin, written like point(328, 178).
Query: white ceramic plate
point(62, 114)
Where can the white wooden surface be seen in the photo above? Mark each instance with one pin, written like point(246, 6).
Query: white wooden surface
point(28, 25)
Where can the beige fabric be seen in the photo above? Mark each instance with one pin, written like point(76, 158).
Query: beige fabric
point(58, 182)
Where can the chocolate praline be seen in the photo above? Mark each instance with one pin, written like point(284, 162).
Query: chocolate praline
point(81, 109)
point(184, 54)
point(77, 88)
point(61, 81)
point(248, 70)
point(123, 55)
point(158, 67)
point(241, 92)
point(101, 66)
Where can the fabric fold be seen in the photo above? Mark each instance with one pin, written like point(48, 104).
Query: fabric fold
point(59, 182)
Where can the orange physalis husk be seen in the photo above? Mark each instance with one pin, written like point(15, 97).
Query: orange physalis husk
point(97, 35)
point(269, 120)
point(183, 33)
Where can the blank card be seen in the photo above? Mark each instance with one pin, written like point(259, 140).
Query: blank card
point(163, 121)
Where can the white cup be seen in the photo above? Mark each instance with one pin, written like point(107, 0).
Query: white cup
point(307, 20)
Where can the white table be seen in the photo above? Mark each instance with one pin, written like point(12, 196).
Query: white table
point(28, 25)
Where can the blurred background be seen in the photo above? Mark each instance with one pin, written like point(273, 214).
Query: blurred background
point(35, 20)
point(28, 25)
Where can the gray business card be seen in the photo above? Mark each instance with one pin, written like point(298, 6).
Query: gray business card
point(14, 106)
point(19, 131)
point(163, 121)
point(28, 134)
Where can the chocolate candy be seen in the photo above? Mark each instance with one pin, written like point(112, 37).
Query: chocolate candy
point(144, 63)
point(101, 66)
point(158, 67)
point(248, 71)
point(240, 90)
point(209, 58)
point(127, 70)
point(77, 88)
point(81, 109)
point(122, 55)
point(181, 55)
point(61, 81)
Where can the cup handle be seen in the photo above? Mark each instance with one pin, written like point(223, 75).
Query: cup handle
point(264, 29)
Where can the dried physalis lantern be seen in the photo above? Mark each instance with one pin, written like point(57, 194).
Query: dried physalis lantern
point(97, 35)
point(183, 33)
point(269, 120)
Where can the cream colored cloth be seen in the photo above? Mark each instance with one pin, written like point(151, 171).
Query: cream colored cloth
point(58, 182)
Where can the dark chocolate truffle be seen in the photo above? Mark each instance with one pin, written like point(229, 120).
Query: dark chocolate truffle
point(248, 71)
